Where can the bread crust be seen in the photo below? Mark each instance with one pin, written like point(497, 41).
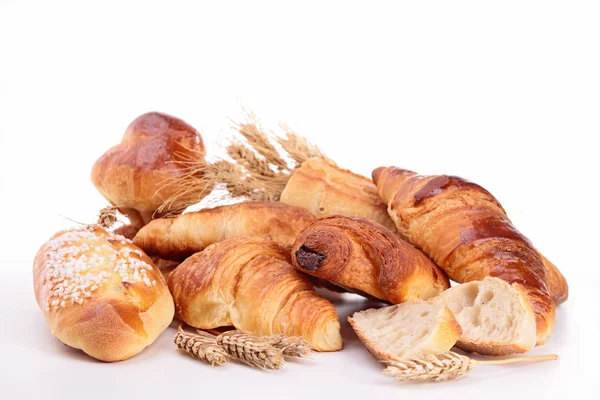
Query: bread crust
point(446, 333)
point(367, 257)
point(465, 230)
point(134, 174)
point(118, 318)
point(325, 190)
point(250, 284)
point(180, 237)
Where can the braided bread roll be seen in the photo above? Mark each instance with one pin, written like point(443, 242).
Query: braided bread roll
point(251, 285)
point(367, 258)
point(101, 294)
point(325, 190)
point(180, 237)
point(465, 230)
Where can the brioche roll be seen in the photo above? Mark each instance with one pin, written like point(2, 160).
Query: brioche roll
point(101, 294)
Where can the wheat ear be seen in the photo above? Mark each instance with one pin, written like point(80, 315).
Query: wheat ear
point(250, 349)
point(445, 366)
point(203, 347)
point(107, 217)
point(295, 346)
point(261, 166)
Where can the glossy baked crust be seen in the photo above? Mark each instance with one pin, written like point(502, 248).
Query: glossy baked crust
point(465, 230)
point(251, 285)
point(101, 294)
point(325, 190)
point(180, 237)
point(365, 257)
point(135, 174)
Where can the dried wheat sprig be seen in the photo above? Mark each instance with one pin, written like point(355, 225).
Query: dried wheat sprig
point(203, 347)
point(299, 148)
point(107, 217)
point(259, 170)
point(262, 143)
point(249, 160)
point(250, 349)
point(294, 346)
point(444, 367)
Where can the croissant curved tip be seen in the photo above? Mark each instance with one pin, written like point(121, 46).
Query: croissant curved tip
point(377, 173)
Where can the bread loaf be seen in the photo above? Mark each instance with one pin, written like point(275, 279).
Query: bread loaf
point(496, 317)
point(406, 331)
point(325, 190)
point(465, 230)
point(100, 293)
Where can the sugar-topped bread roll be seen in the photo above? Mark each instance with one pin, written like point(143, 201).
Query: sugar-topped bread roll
point(100, 293)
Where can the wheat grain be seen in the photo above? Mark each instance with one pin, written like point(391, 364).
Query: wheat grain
point(251, 349)
point(259, 170)
point(291, 346)
point(444, 367)
point(203, 347)
point(107, 217)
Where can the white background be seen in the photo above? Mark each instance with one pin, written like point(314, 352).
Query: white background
point(506, 94)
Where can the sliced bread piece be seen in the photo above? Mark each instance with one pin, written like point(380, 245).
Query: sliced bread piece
point(406, 330)
point(496, 317)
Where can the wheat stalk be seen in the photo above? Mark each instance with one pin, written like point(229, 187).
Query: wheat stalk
point(299, 148)
point(261, 167)
point(444, 367)
point(295, 346)
point(250, 349)
point(203, 347)
point(107, 217)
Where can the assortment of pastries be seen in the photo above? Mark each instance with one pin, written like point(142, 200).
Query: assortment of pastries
point(399, 238)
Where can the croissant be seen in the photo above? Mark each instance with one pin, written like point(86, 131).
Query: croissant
point(101, 294)
point(325, 190)
point(366, 257)
point(178, 238)
point(251, 285)
point(465, 230)
point(136, 174)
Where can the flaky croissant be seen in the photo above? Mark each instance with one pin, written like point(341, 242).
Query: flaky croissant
point(366, 257)
point(180, 237)
point(251, 285)
point(465, 230)
point(326, 190)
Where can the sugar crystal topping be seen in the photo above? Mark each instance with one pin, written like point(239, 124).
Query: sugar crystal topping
point(80, 261)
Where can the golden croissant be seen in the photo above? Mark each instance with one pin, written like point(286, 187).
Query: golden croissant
point(366, 257)
point(180, 237)
point(465, 230)
point(325, 190)
point(251, 285)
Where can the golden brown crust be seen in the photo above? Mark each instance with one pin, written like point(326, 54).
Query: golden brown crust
point(362, 255)
point(251, 285)
point(557, 284)
point(133, 174)
point(180, 237)
point(465, 230)
point(101, 294)
point(325, 190)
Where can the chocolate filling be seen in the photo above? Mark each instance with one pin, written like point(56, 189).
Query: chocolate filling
point(309, 259)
